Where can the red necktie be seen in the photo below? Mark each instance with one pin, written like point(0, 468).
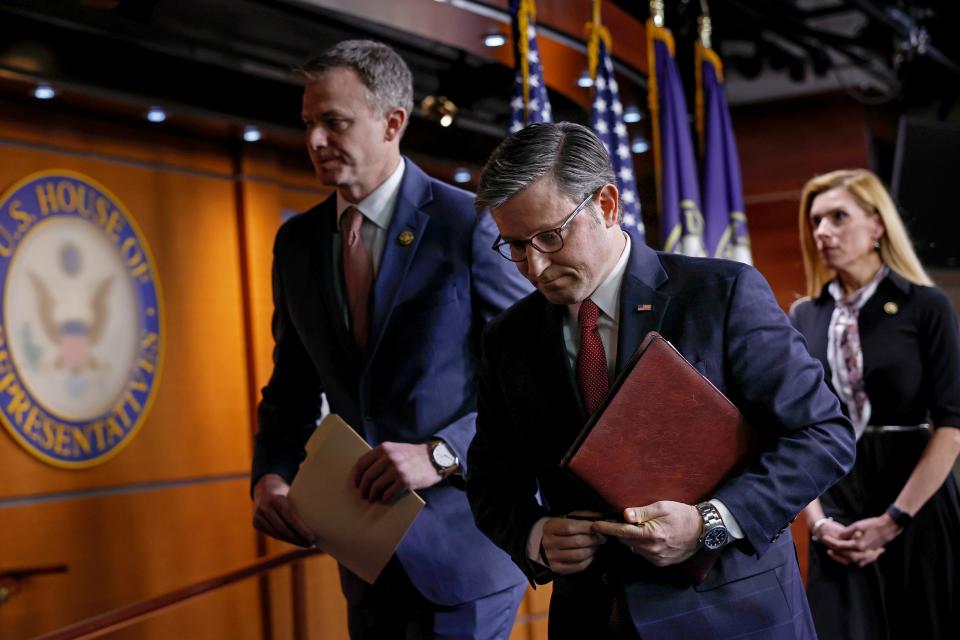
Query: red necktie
point(357, 275)
point(591, 361)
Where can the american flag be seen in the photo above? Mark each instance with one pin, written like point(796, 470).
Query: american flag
point(530, 100)
point(606, 118)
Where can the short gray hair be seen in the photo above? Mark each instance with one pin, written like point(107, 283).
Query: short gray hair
point(381, 69)
point(571, 153)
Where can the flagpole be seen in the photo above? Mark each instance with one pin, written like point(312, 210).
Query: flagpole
point(655, 30)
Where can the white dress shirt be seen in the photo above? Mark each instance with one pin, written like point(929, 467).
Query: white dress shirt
point(377, 209)
point(607, 298)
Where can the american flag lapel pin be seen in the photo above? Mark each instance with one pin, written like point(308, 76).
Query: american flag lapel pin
point(644, 307)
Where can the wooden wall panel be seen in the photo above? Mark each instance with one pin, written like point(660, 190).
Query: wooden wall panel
point(123, 548)
point(189, 224)
point(45, 126)
point(173, 507)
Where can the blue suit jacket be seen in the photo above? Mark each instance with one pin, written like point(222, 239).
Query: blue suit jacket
point(724, 319)
point(417, 380)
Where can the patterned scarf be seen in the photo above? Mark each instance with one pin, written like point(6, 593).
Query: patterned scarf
point(844, 354)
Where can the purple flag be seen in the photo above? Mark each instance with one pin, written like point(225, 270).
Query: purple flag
point(725, 223)
point(678, 187)
point(606, 119)
point(530, 100)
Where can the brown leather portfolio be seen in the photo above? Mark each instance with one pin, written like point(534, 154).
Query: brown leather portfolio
point(664, 432)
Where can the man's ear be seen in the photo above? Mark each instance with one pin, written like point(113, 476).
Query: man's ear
point(396, 118)
point(610, 204)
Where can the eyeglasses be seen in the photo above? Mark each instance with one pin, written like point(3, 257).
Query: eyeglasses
point(549, 241)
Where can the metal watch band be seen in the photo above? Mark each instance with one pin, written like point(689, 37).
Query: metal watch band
point(711, 517)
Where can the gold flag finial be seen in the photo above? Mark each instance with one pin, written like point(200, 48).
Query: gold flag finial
point(705, 25)
point(656, 13)
point(705, 29)
point(595, 33)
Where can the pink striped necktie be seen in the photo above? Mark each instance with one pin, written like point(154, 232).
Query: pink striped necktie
point(357, 275)
point(592, 372)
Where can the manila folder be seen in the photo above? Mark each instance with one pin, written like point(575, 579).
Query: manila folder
point(361, 535)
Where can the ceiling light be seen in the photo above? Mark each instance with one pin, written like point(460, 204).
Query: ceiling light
point(639, 145)
point(632, 114)
point(251, 133)
point(461, 175)
point(44, 91)
point(439, 109)
point(585, 80)
point(156, 114)
point(494, 40)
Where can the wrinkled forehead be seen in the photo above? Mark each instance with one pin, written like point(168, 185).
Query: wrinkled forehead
point(541, 206)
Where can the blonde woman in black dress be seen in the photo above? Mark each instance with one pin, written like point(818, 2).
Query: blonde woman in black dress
point(885, 557)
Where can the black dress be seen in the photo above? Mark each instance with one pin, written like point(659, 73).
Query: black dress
point(911, 361)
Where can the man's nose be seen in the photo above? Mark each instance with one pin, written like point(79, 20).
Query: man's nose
point(537, 262)
point(317, 138)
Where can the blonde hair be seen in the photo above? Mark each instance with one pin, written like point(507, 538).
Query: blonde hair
point(865, 188)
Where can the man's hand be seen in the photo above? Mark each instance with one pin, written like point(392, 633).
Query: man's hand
point(393, 468)
point(664, 533)
point(570, 545)
point(274, 515)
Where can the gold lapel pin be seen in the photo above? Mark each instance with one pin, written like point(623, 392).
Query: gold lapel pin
point(644, 307)
point(891, 308)
point(405, 238)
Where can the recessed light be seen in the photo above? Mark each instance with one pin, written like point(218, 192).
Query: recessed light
point(156, 114)
point(461, 175)
point(44, 91)
point(251, 133)
point(494, 40)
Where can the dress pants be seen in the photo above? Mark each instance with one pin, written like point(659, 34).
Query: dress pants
point(393, 609)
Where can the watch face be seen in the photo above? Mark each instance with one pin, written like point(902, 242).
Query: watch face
point(443, 456)
point(715, 538)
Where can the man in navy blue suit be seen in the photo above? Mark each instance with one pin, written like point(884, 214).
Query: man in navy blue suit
point(380, 296)
point(547, 363)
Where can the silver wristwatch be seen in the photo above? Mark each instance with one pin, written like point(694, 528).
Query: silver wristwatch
point(444, 460)
point(714, 534)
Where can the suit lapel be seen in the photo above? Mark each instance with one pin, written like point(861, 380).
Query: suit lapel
point(642, 306)
point(817, 340)
point(408, 218)
point(553, 372)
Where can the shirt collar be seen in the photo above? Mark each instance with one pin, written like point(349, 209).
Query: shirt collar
point(858, 298)
point(379, 205)
point(607, 295)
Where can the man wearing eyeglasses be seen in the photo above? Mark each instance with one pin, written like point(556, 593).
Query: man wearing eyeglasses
point(546, 366)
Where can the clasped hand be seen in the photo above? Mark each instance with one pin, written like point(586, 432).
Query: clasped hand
point(858, 543)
